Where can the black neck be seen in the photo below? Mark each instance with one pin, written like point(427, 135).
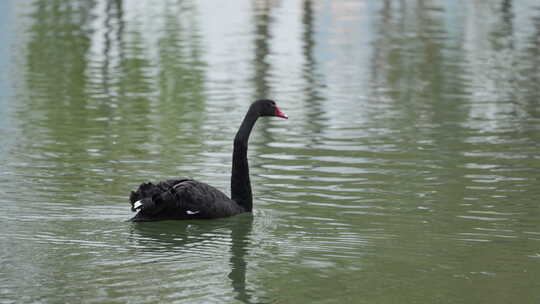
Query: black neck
point(240, 183)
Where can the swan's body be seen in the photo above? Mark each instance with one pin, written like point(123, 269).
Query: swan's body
point(182, 199)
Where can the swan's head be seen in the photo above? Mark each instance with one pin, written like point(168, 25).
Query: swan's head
point(268, 107)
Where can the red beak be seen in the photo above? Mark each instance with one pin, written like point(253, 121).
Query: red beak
point(279, 113)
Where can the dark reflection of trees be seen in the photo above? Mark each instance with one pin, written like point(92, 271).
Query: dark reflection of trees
point(262, 36)
point(113, 36)
point(502, 50)
point(313, 97)
point(421, 74)
point(167, 238)
point(52, 118)
point(261, 72)
point(56, 65)
point(181, 77)
point(54, 99)
point(422, 77)
point(181, 82)
point(112, 52)
point(87, 101)
point(422, 68)
point(124, 93)
point(507, 18)
point(515, 66)
point(531, 69)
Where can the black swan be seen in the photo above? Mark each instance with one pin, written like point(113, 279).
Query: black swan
point(183, 199)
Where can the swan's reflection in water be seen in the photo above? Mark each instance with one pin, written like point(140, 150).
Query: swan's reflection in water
point(240, 242)
point(186, 243)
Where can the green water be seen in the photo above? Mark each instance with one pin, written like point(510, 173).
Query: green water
point(408, 171)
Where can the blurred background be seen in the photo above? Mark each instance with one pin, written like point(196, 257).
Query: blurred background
point(407, 172)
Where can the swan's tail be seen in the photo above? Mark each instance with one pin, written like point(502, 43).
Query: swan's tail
point(143, 195)
point(151, 199)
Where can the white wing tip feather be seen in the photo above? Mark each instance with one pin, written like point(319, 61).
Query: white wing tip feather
point(137, 204)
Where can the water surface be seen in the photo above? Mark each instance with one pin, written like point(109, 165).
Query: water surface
point(408, 171)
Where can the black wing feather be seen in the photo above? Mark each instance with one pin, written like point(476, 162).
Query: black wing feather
point(172, 199)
